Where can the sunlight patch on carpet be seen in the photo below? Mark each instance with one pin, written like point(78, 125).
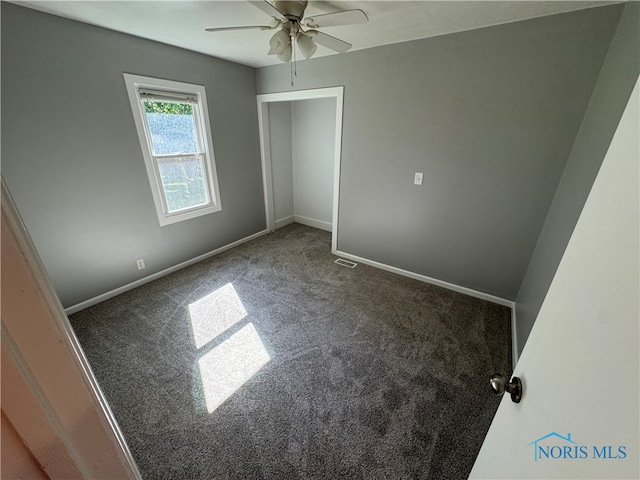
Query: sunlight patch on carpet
point(215, 313)
point(230, 365)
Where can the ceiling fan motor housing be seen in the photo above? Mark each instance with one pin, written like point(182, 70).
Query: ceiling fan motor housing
point(293, 8)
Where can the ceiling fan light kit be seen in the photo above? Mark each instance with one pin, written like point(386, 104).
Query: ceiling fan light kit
point(285, 56)
point(306, 46)
point(278, 43)
point(289, 16)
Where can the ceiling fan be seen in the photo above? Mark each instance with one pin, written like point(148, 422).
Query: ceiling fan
point(296, 29)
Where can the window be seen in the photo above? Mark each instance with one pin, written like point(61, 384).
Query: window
point(173, 126)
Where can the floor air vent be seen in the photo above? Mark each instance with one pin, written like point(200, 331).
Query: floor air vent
point(345, 263)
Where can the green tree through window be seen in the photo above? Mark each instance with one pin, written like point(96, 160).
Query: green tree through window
point(168, 107)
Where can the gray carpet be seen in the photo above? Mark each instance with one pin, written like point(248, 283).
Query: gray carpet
point(359, 373)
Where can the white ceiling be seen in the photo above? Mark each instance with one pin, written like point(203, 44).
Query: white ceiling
point(182, 23)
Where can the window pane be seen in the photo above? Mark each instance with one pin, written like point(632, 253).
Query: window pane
point(184, 183)
point(172, 127)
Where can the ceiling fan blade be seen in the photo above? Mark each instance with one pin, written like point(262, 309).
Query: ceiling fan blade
point(245, 27)
point(348, 17)
point(328, 41)
point(269, 9)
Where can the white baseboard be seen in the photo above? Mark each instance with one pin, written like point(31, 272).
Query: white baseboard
point(434, 281)
point(327, 226)
point(323, 226)
point(451, 286)
point(130, 286)
point(283, 222)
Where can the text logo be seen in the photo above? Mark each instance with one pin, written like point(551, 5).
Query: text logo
point(554, 446)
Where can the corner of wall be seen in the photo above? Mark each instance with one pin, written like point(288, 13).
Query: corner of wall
point(611, 91)
point(515, 353)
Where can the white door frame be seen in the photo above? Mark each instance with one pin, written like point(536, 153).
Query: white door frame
point(265, 148)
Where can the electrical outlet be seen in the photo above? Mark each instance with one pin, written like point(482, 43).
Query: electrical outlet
point(140, 264)
point(417, 180)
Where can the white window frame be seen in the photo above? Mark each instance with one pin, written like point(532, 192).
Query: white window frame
point(134, 84)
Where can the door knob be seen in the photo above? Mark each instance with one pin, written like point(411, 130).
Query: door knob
point(499, 385)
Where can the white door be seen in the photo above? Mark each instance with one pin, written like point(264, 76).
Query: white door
point(578, 417)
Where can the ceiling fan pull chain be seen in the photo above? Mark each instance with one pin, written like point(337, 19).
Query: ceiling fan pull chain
point(295, 56)
point(292, 60)
point(291, 72)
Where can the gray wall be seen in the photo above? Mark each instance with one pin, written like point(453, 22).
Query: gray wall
point(302, 139)
point(617, 78)
point(281, 159)
point(72, 161)
point(488, 115)
point(314, 129)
